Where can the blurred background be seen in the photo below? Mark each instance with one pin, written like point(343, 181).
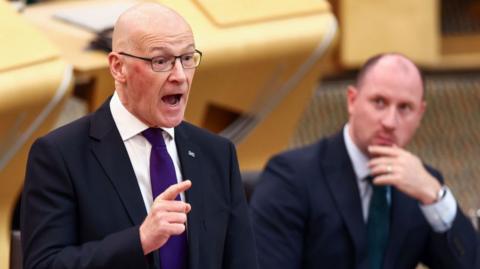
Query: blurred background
point(273, 76)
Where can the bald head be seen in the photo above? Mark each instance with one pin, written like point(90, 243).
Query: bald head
point(145, 37)
point(143, 20)
point(382, 63)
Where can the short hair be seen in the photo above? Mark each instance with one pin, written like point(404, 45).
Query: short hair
point(372, 61)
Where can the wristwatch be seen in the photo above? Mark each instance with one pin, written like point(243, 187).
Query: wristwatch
point(441, 193)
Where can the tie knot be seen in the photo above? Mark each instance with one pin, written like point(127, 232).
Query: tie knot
point(154, 136)
point(376, 188)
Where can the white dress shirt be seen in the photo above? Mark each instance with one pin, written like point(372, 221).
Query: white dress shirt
point(440, 215)
point(138, 147)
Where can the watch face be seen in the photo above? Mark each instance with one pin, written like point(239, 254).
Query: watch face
point(441, 193)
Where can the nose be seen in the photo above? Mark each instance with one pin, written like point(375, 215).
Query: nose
point(177, 73)
point(390, 118)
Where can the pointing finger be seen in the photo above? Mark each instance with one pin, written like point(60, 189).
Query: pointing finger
point(174, 190)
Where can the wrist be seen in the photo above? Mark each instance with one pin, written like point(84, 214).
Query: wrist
point(144, 242)
point(435, 195)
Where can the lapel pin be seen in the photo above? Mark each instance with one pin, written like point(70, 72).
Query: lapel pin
point(191, 154)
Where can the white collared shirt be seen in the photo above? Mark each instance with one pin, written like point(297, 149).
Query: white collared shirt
point(138, 147)
point(440, 215)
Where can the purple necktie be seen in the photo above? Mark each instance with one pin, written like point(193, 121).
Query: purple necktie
point(173, 255)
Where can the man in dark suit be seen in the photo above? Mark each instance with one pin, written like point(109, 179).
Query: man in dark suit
point(90, 197)
point(358, 199)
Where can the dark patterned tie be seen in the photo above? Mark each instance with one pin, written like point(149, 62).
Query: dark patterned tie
point(378, 223)
point(173, 255)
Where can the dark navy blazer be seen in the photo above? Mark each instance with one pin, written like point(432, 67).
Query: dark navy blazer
point(82, 206)
point(307, 214)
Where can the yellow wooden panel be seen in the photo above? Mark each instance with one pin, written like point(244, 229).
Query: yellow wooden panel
point(71, 40)
point(369, 27)
point(25, 44)
point(30, 99)
point(246, 65)
point(225, 13)
point(32, 89)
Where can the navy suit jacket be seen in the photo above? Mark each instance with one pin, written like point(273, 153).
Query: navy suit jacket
point(82, 206)
point(306, 213)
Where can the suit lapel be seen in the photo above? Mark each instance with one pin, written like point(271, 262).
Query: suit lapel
point(112, 155)
point(190, 160)
point(341, 181)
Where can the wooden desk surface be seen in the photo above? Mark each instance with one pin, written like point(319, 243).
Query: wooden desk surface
point(72, 40)
point(90, 66)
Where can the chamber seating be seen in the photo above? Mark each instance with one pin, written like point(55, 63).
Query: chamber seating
point(34, 84)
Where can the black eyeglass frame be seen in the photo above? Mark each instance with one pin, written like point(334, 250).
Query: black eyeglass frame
point(173, 62)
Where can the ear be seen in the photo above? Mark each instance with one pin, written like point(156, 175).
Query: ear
point(116, 65)
point(423, 108)
point(352, 93)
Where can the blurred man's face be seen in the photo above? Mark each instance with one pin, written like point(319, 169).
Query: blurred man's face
point(388, 106)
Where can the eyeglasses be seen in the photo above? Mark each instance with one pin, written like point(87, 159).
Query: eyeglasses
point(166, 63)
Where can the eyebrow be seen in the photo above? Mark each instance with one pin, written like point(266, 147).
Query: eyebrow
point(167, 49)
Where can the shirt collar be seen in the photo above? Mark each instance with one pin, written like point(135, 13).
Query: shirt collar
point(359, 160)
point(127, 124)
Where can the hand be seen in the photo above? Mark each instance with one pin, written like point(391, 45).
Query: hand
point(403, 170)
point(167, 217)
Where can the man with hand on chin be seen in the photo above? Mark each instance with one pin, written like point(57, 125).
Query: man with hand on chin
point(358, 199)
point(110, 190)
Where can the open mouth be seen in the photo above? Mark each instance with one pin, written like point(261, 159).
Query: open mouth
point(172, 99)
